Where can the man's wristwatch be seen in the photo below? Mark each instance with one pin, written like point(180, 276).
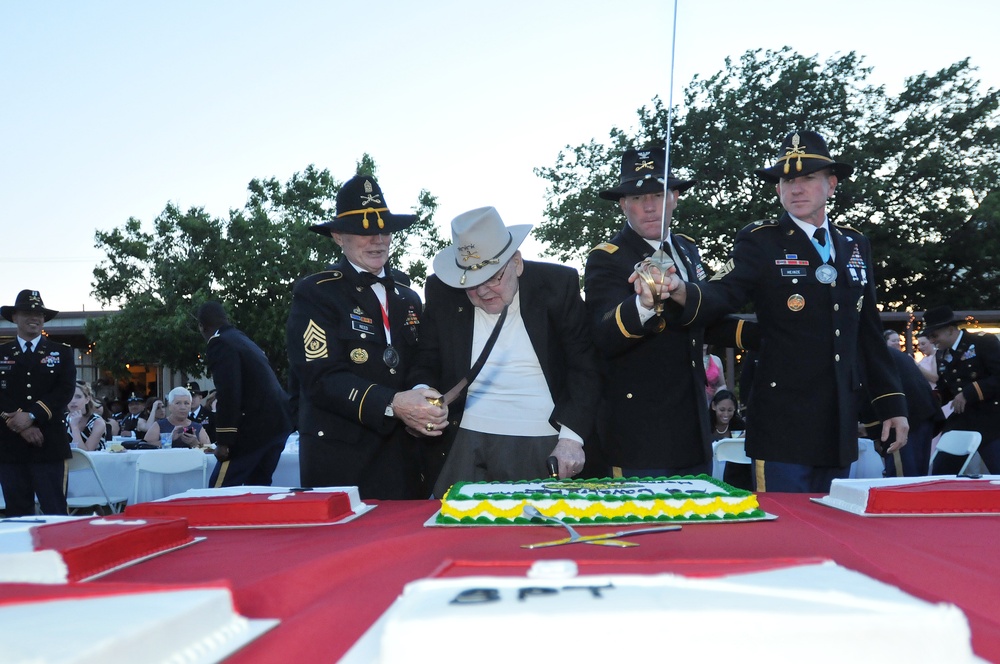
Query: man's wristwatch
point(389, 412)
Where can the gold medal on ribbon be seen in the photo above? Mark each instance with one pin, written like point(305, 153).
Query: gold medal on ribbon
point(359, 356)
point(796, 302)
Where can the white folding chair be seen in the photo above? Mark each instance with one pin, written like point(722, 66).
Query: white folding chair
point(959, 443)
point(730, 449)
point(171, 462)
point(81, 461)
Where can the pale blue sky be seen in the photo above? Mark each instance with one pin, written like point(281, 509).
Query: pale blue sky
point(109, 109)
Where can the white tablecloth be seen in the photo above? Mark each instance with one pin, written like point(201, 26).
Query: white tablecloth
point(117, 471)
point(287, 472)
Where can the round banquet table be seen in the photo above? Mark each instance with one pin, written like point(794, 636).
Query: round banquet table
point(328, 584)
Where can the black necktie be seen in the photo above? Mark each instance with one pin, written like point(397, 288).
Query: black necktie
point(369, 279)
point(820, 236)
point(27, 346)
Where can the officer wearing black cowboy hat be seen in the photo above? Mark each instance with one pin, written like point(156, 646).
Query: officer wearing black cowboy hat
point(638, 347)
point(352, 334)
point(37, 380)
point(968, 366)
point(813, 288)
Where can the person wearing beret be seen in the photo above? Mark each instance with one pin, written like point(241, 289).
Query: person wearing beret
point(536, 394)
point(812, 284)
point(37, 381)
point(352, 335)
point(654, 420)
point(968, 369)
point(252, 418)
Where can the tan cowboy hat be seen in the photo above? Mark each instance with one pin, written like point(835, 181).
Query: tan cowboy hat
point(481, 246)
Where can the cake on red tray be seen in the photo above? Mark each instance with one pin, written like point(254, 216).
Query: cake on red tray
point(931, 496)
point(276, 508)
point(73, 549)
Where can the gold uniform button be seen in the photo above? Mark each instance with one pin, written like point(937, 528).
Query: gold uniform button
point(628, 396)
point(837, 357)
point(837, 332)
point(320, 434)
point(774, 384)
point(836, 307)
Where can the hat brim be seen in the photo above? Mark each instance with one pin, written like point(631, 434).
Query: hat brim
point(634, 187)
point(927, 329)
point(353, 224)
point(8, 313)
point(447, 268)
point(775, 173)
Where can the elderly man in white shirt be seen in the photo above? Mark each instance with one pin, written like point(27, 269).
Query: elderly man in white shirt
point(536, 395)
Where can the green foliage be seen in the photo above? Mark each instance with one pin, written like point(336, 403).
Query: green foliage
point(249, 262)
point(926, 160)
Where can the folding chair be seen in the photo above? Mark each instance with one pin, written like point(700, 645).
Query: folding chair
point(730, 449)
point(81, 461)
point(171, 462)
point(958, 443)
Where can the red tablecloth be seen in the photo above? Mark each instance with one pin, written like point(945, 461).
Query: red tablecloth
point(328, 584)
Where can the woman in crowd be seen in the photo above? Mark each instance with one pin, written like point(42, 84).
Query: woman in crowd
point(111, 426)
point(715, 379)
point(84, 427)
point(723, 415)
point(726, 423)
point(184, 432)
point(928, 363)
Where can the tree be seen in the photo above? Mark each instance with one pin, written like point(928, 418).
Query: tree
point(925, 162)
point(249, 262)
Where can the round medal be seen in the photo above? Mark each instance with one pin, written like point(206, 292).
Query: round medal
point(796, 302)
point(359, 356)
point(391, 357)
point(826, 274)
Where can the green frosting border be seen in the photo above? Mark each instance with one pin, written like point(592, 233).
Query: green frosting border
point(724, 489)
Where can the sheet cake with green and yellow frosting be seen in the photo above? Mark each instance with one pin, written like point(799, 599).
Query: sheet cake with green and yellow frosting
point(608, 500)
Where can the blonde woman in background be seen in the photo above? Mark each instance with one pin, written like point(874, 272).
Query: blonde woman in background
point(84, 426)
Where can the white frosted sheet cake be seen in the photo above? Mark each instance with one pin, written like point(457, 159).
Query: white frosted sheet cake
point(809, 613)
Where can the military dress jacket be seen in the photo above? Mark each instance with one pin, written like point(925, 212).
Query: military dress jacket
point(555, 320)
point(654, 413)
point(972, 369)
point(252, 408)
point(817, 340)
point(336, 344)
point(42, 383)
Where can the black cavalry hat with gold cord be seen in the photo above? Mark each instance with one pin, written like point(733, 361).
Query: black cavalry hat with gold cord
point(642, 173)
point(27, 300)
point(362, 210)
point(802, 153)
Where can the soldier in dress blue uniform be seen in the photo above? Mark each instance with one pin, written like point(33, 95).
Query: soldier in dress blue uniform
point(969, 378)
point(36, 383)
point(656, 417)
point(813, 288)
point(252, 411)
point(352, 336)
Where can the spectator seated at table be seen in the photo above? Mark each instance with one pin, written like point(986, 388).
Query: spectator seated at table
point(111, 426)
point(184, 432)
point(84, 427)
point(135, 416)
point(726, 423)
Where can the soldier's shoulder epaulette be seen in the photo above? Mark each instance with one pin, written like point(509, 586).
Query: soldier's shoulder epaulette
point(845, 227)
point(326, 275)
point(686, 237)
point(605, 246)
point(755, 226)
